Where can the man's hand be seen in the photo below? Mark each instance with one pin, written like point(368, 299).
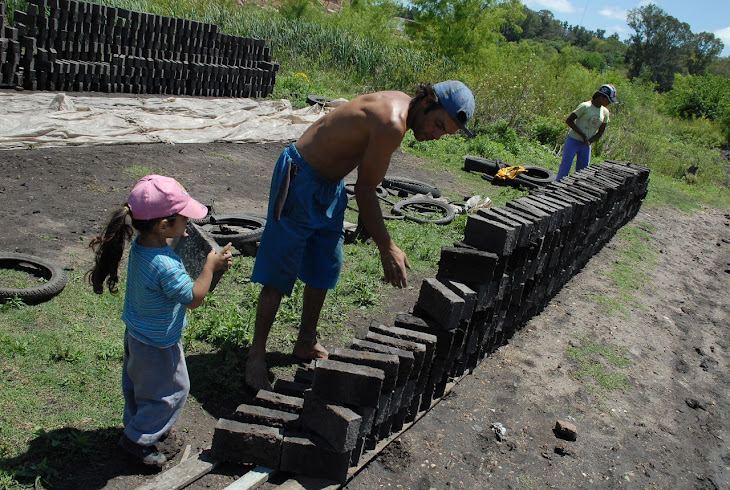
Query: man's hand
point(395, 263)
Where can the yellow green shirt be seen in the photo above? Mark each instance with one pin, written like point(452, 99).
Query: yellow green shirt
point(589, 119)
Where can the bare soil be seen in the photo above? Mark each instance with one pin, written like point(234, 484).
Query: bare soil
point(669, 429)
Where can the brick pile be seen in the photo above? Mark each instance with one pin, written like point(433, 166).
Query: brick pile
point(513, 259)
point(69, 45)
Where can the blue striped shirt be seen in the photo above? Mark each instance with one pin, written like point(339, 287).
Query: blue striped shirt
point(158, 288)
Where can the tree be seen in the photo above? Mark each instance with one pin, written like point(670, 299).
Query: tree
point(461, 29)
point(702, 50)
point(656, 48)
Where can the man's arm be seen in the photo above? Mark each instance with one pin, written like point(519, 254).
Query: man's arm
point(372, 170)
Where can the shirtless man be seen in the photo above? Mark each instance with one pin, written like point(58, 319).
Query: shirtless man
point(303, 236)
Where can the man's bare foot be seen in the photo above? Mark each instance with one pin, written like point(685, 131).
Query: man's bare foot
point(306, 351)
point(257, 374)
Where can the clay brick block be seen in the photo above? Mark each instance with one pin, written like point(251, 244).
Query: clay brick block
point(444, 338)
point(336, 424)
point(405, 357)
point(441, 303)
point(290, 388)
point(346, 383)
point(418, 350)
point(247, 443)
point(523, 233)
point(307, 454)
point(277, 401)
point(388, 363)
point(490, 236)
point(467, 265)
point(194, 249)
point(252, 414)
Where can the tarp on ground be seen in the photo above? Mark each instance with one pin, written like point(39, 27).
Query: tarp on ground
point(49, 119)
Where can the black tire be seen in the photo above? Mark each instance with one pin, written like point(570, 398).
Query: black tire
point(424, 210)
point(55, 278)
point(482, 165)
point(238, 229)
point(380, 191)
point(317, 99)
point(537, 175)
point(406, 186)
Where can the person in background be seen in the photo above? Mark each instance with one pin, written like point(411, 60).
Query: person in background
point(304, 231)
point(587, 124)
point(155, 378)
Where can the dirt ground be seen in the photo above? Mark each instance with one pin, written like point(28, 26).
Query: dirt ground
point(669, 429)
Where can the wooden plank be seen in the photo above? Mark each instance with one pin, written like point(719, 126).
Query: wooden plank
point(181, 475)
point(306, 483)
point(252, 479)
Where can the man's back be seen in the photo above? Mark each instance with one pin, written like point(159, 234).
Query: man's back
point(369, 127)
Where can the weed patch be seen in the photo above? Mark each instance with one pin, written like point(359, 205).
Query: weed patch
point(598, 366)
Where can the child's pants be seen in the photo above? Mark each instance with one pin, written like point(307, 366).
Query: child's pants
point(572, 148)
point(155, 384)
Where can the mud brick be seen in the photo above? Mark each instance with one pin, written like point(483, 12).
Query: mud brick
point(467, 294)
point(336, 424)
point(548, 221)
point(559, 211)
point(247, 443)
point(305, 375)
point(442, 305)
point(355, 454)
point(490, 235)
point(427, 339)
point(290, 388)
point(523, 234)
point(388, 363)
point(278, 402)
point(253, 414)
point(444, 338)
point(418, 349)
point(346, 383)
point(405, 365)
point(467, 265)
point(530, 231)
point(309, 455)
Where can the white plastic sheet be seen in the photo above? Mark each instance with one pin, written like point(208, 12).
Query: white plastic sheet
point(44, 119)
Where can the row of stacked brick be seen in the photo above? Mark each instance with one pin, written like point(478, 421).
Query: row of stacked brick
point(71, 45)
point(512, 260)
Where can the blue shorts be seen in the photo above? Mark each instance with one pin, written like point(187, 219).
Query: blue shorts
point(306, 241)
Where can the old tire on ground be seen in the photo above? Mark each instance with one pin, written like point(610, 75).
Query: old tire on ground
point(424, 210)
point(380, 191)
point(406, 186)
point(482, 165)
point(55, 278)
point(202, 221)
point(238, 229)
point(537, 175)
point(317, 99)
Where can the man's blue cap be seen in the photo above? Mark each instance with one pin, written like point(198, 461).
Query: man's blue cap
point(458, 101)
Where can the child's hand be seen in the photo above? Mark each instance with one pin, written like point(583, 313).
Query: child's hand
point(221, 261)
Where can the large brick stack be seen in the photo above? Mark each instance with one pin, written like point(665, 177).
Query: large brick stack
point(513, 259)
point(70, 45)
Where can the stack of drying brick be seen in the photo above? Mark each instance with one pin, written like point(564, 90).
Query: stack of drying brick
point(512, 260)
point(71, 45)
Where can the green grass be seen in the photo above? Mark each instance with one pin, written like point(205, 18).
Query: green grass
point(598, 366)
point(629, 273)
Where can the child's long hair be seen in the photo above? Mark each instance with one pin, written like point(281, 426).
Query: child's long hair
point(109, 247)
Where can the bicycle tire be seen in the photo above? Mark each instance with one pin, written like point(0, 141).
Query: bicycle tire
point(410, 186)
point(55, 278)
point(408, 209)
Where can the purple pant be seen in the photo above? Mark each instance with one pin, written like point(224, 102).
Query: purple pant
point(572, 148)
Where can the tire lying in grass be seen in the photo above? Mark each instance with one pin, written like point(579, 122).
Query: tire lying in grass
point(537, 175)
point(380, 191)
point(409, 186)
point(43, 269)
point(424, 210)
point(238, 229)
point(317, 99)
point(482, 165)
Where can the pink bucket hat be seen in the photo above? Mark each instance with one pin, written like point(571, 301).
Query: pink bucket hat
point(156, 196)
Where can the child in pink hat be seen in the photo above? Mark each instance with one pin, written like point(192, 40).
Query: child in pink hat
point(155, 378)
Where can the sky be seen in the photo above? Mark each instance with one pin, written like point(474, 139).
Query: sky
point(701, 15)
